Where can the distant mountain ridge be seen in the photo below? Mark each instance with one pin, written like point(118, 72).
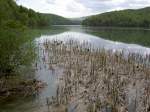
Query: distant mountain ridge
point(122, 18)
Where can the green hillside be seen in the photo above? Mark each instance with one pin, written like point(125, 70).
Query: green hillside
point(11, 14)
point(123, 18)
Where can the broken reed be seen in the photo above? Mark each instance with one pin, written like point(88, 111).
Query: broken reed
point(95, 79)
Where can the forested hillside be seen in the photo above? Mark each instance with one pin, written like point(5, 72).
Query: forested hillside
point(13, 15)
point(123, 18)
point(15, 21)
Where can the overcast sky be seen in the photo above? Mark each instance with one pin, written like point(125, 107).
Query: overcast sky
point(79, 8)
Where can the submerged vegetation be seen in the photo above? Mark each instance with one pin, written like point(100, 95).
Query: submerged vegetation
point(97, 80)
point(123, 18)
point(92, 79)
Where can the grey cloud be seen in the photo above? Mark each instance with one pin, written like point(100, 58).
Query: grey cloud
point(71, 9)
point(50, 1)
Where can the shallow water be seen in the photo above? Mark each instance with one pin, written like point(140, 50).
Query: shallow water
point(97, 37)
point(96, 42)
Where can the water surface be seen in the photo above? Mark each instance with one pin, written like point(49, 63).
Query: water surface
point(129, 40)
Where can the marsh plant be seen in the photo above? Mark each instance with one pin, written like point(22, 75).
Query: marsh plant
point(98, 80)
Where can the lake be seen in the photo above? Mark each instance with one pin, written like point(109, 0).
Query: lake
point(133, 40)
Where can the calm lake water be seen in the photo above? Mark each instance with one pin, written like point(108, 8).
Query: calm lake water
point(127, 39)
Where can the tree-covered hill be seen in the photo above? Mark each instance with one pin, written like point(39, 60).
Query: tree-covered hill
point(12, 15)
point(123, 18)
point(15, 23)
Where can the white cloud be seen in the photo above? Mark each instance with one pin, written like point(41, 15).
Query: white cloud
point(78, 8)
point(67, 8)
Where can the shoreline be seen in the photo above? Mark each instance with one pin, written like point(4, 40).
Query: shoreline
point(23, 88)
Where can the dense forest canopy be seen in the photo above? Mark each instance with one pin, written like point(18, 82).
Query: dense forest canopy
point(123, 18)
point(13, 15)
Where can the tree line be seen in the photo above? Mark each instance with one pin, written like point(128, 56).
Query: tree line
point(13, 15)
point(123, 18)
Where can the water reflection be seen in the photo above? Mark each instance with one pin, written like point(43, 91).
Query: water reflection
point(107, 38)
point(96, 42)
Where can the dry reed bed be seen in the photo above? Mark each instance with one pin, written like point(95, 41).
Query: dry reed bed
point(98, 80)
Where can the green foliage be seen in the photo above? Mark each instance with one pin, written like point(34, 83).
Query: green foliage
point(13, 54)
point(14, 22)
point(124, 18)
point(9, 10)
point(13, 25)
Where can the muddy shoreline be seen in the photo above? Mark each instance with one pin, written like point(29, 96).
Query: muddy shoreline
point(22, 88)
